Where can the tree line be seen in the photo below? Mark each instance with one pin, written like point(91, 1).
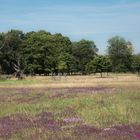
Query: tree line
point(44, 53)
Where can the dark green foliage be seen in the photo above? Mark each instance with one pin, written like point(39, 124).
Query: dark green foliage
point(65, 64)
point(120, 52)
point(136, 63)
point(83, 51)
point(45, 53)
point(11, 51)
point(99, 65)
point(37, 52)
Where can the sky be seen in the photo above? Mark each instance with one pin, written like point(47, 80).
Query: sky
point(96, 20)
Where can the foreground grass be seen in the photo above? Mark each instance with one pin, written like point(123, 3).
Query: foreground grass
point(101, 110)
point(97, 107)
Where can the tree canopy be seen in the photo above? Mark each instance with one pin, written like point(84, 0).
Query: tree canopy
point(120, 52)
point(44, 53)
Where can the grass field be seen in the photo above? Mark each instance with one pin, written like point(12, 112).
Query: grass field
point(70, 108)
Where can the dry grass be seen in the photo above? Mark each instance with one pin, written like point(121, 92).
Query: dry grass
point(120, 80)
point(72, 107)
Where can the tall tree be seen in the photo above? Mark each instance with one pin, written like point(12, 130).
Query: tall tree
point(136, 63)
point(36, 48)
point(11, 50)
point(120, 52)
point(45, 51)
point(83, 51)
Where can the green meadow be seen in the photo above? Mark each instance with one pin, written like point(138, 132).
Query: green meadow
point(40, 108)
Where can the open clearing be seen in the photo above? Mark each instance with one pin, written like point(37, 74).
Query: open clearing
point(70, 108)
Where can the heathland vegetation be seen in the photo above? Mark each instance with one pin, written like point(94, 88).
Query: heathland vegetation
point(72, 108)
point(63, 96)
point(44, 53)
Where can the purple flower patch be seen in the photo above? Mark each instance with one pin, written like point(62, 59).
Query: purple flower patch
point(137, 136)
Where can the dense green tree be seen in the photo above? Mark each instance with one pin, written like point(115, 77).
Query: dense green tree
point(63, 51)
point(44, 53)
point(83, 51)
point(99, 64)
point(37, 51)
point(120, 52)
point(65, 64)
point(11, 51)
point(136, 63)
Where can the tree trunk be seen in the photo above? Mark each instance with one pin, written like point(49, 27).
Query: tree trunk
point(107, 73)
point(139, 73)
point(101, 74)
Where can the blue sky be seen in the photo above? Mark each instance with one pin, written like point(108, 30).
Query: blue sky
point(96, 20)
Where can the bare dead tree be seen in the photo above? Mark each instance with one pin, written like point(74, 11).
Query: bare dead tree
point(17, 67)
